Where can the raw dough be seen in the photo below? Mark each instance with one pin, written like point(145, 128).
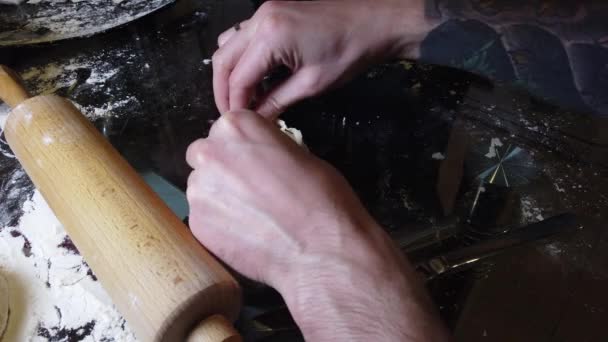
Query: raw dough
point(293, 133)
point(4, 309)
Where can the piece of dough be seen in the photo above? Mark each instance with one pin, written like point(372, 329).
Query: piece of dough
point(293, 133)
point(4, 309)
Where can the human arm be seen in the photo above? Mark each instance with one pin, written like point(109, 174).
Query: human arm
point(281, 216)
point(557, 49)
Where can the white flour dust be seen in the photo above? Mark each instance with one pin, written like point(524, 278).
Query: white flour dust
point(110, 109)
point(4, 150)
point(67, 76)
point(438, 156)
point(4, 110)
point(530, 211)
point(52, 291)
point(494, 143)
point(554, 250)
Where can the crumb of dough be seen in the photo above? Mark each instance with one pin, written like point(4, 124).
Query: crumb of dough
point(291, 132)
point(438, 156)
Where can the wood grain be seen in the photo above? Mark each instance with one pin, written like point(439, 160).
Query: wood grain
point(12, 91)
point(160, 278)
point(214, 329)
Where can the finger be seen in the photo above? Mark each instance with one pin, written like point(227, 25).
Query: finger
point(203, 184)
point(255, 63)
point(240, 124)
point(301, 85)
point(229, 33)
point(224, 61)
point(197, 152)
point(192, 188)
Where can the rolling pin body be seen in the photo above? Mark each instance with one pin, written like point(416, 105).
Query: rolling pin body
point(159, 277)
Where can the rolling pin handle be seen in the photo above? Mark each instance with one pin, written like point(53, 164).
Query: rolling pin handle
point(214, 329)
point(12, 90)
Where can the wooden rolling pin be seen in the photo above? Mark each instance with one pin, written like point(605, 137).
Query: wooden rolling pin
point(165, 284)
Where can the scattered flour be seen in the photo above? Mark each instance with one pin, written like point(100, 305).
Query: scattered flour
point(559, 188)
point(494, 143)
point(4, 149)
point(67, 76)
point(553, 250)
point(438, 156)
point(52, 291)
point(110, 109)
point(4, 110)
point(49, 78)
point(405, 200)
point(530, 211)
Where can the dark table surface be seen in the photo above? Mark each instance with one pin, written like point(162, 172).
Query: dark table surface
point(415, 143)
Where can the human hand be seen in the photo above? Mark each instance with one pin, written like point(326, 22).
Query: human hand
point(323, 43)
point(281, 216)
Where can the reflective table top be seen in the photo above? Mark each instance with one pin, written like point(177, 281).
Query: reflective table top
point(443, 159)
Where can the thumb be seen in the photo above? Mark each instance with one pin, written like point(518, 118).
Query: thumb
point(300, 85)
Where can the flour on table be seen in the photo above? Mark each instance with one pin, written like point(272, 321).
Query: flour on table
point(4, 110)
point(438, 156)
point(53, 293)
point(4, 149)
point(530, 211)
point(93, 74)
point(494, 143)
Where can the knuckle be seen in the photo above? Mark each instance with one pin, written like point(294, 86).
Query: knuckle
point(275, 23)
point(234, 82)
point(218, 60)
point(269, 7)
point(276, 106)
point(223, 37)
point(200, 152)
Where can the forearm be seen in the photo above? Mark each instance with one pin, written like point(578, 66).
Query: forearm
point(373, 294)
point(556, 49)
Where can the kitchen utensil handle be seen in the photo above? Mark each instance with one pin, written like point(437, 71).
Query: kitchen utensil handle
point(214, 329)
point(12, 90)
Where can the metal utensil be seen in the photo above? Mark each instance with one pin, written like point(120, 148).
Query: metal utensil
point(466, 257)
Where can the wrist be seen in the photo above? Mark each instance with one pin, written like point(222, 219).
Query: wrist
point(360, 291)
